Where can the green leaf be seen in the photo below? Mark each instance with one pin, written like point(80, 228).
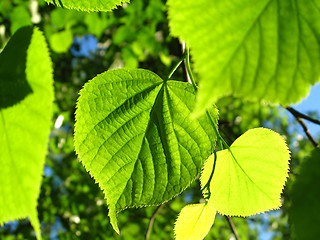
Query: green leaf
point(194, 221)
point(89, 5)
point(61, 41)
point(19, 17)
point(305, 195)
point(26, 102)
point(134, 134)
point(264, 49)
point(249, 179)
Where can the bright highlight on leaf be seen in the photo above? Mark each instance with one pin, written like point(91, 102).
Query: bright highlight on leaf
point(134, 134)
point(26, 102)
point(249, 179)
point(194, 221)
point(89, 5)
point(304, 195)
point(265, 49)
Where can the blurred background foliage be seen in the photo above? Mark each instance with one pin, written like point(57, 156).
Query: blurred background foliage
point(82, 45)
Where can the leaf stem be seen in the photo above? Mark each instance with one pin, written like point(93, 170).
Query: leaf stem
point(152, 221)
point(189, 72)
point(176, 66)
point(232, 227)
point(221, 141)
point(207, 186)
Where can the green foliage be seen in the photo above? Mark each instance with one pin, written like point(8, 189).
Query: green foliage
point(248, 179)
point(134, 134)
point(255, 50)
point(25, 118)
point(71, 205)
point(61, 41)
point(89, 5)
point(20, 17)
point(305, 195)
point(194, 221)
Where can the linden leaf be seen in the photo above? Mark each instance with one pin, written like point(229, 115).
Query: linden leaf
point(249, 179)
point(305, 195)
point(26, 106)
point(194, 221)
point(89, 5)
point(265, 49)
point(134, 134)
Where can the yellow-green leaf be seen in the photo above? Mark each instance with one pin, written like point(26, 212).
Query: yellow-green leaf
point(26, 103)
point(264, 49)
point(194, 221)
point(89, 5)
point(249, 179)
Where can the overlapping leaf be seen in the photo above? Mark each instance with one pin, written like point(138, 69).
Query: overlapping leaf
point(26, 100)
point(305, 195)
point(89, 5)
point(249, 179)
point(264, 49)
point(194, 221)
point(134, 134)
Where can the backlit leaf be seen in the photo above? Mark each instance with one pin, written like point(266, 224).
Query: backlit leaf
point(264, 49)
point(26, 101)
point(194, 221)
point(251, 182)
point(134, 134)
point(89, 5)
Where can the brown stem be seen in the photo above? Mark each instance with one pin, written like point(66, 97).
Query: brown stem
point(152, 221)
point(299, 117)
point(232, 227)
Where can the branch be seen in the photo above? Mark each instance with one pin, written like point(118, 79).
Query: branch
point(152, 221)
point(233, 229)
point(299, 117)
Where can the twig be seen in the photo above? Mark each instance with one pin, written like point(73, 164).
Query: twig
point(233, 229)
point(301, 115)
point(298, 117)
point(152, 221)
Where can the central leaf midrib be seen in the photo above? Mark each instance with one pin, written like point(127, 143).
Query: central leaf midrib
point(141, 145)
point(121, 105)
point(245, 173)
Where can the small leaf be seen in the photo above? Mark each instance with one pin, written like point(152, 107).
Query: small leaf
point(134, 134)
point(26, 105)
point(60, 42)
point(89, 5)
point(265, 49)
point(304, 195)
point(249, 179)
point(194, 221)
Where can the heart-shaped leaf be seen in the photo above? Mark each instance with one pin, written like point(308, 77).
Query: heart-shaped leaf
point(194, 221)
point(134, 134)
point(250, 177)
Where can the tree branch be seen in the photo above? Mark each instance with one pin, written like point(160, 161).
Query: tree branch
point(299, 117)
point(152, 221)
point(233, 229)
